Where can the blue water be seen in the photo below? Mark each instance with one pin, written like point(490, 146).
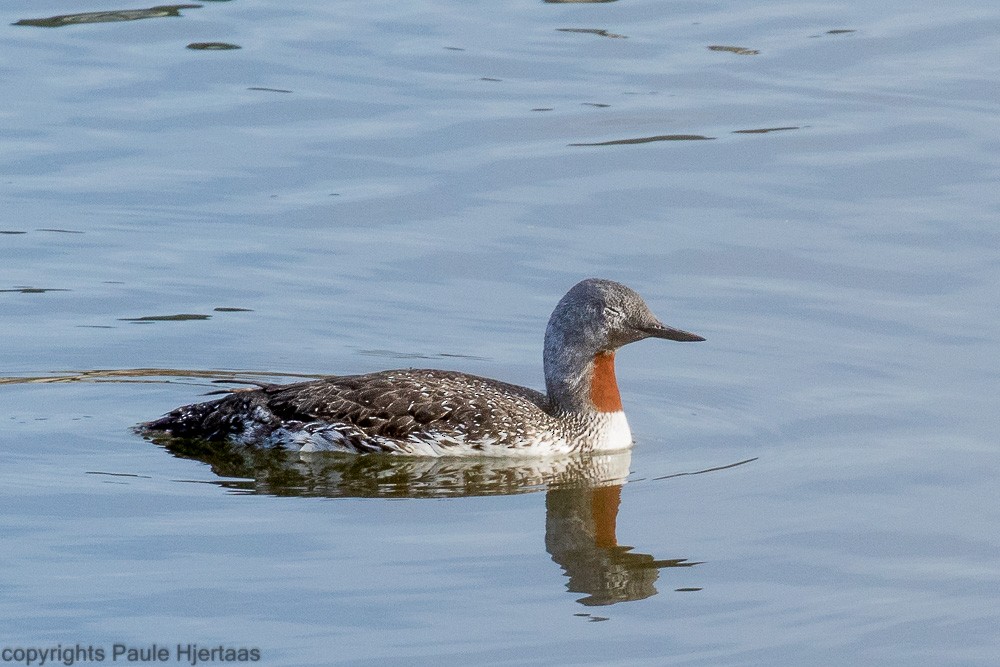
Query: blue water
point(409, 184)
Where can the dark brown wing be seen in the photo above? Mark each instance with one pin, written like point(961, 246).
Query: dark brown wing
point(396, 404)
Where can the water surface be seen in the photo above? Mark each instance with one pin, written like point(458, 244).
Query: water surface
point(811, 187)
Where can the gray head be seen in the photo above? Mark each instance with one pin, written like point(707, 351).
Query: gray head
point(596, 316)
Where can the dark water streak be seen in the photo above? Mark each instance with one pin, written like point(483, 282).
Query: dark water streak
point(112, 16)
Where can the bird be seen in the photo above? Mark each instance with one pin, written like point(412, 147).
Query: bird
point(426, 412)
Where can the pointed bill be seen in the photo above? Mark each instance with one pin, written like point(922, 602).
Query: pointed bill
point(660, 330)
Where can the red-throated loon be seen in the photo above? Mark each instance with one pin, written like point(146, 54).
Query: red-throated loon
point(447, 413)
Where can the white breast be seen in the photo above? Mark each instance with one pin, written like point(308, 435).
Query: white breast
point(612, 432)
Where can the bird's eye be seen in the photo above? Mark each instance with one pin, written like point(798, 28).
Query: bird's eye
point(613, 313)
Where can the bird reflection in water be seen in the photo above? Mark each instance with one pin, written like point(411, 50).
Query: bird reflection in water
point(582, 498)
point(580, 535)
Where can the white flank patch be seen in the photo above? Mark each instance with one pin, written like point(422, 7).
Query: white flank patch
point(321, 440)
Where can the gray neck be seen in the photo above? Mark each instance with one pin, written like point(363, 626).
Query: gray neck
point(569, 369)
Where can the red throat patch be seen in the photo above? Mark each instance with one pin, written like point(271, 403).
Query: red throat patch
point(604, 386)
